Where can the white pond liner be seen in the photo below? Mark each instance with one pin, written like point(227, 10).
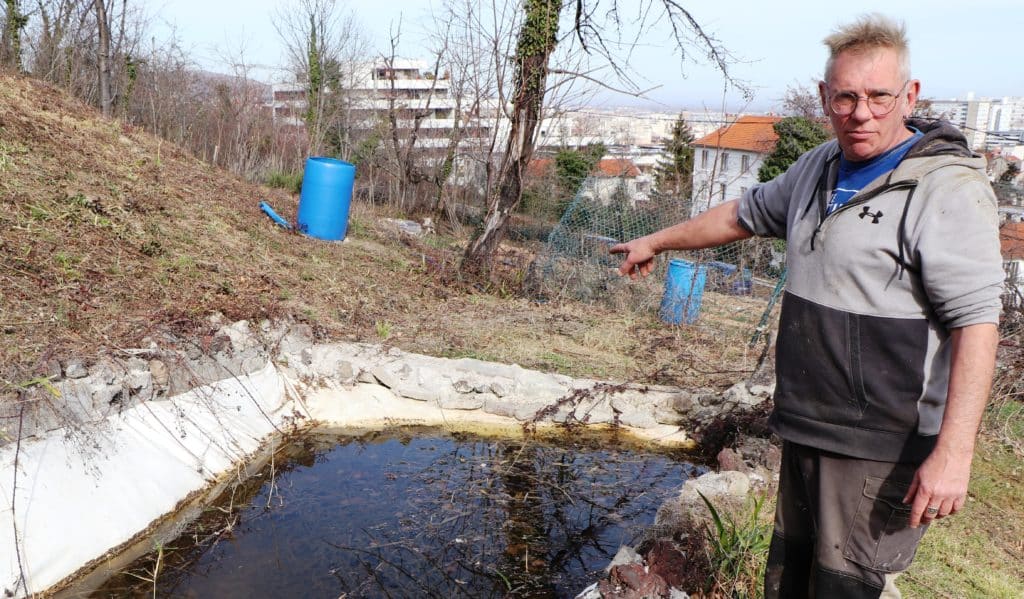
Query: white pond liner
point(77, 497)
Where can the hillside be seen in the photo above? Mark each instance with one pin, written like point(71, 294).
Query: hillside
point(111, 235)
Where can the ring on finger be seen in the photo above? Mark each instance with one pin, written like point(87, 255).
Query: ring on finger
point(932, 510)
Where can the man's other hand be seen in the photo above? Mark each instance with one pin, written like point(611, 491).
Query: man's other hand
point(939, 488)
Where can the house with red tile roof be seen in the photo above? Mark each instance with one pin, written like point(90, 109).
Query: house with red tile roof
point(726, 161)
point(608, 176)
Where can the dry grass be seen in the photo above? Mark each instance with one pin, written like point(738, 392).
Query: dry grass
point(111, 236)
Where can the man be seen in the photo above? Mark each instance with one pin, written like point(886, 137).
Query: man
point(887, 336)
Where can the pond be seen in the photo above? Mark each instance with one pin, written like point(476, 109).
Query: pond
point(416, 514)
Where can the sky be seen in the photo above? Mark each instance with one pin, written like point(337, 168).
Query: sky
point(956, 46)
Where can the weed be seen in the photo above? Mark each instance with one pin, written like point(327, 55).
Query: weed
point(738, 549)
point(151, 248)
point(288, 181)
point(383, 328)
point(152, 575)
point(557, 361)
point(356, 228)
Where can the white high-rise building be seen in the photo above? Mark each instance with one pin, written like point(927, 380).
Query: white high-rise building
point(987, 123)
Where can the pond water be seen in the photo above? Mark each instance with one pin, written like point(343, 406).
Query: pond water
point(416, 515)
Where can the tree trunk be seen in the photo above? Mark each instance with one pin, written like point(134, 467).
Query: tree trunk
point(103, 57)
point(537, 40)
point(13, 25)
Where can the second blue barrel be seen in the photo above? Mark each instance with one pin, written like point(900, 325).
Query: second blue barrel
point(684, 289)
point(326, 195)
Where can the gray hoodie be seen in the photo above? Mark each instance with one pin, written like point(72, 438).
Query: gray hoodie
point(863, 353)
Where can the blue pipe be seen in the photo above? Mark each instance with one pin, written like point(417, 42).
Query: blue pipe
point(265, 207)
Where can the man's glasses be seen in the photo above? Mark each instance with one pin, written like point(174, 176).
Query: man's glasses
point(880, 103)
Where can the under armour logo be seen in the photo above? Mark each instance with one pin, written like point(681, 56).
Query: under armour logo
point(874, 215)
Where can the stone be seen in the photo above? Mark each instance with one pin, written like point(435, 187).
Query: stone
point(730, 459)
point(298, 338)
point(667, 560)
point(75, 369)
point(239, 335)
point(772, 458)
point(463, 386)
point(52, 370)
point(389, 376)
point(633, 581)
point(526, 411)
point(739, 395)
point(499, 407)
point(461, 401)
point(669, 416)
point(715, 485)
point(329, 361)
point(638, 419)
point(500, 389)
point(159, 371)
point(107, 395)
point(682, 402)
point(763, 390)
point(418, 392)
point(365, 376)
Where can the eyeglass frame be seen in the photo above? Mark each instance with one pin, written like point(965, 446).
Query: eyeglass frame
point(867, 100)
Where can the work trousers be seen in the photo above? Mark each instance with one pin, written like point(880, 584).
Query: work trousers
point(841, 528)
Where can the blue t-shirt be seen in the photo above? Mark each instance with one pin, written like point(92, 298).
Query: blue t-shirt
point(853, 176)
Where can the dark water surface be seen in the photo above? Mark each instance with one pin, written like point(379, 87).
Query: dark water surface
point(397, 515)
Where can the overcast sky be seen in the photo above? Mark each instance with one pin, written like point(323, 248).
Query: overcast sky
point(957, 46)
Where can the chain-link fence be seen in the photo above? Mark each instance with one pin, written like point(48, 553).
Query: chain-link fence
point(734, 285)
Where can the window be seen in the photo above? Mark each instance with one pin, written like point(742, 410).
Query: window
point(743, 190)
point(725, 161)
point(704, 158)
point(744, 163)
point(721, 187)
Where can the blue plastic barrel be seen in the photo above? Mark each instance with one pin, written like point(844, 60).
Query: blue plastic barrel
point(326, 194)
point(684, 288)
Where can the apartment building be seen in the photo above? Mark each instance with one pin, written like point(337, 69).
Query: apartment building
point(986, 122)
point(406, 88)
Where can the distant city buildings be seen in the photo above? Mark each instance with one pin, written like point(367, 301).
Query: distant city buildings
point(987, 123)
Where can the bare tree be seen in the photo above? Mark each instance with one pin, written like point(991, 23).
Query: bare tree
point(803, 100)
point(103, 56)
point(325, 50)
point(10, 44)
point(601, 34)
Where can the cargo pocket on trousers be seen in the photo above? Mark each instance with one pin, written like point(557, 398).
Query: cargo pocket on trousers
point(880, 536)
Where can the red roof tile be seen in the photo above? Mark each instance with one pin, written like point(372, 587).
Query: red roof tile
point(750, 133)
point(1011, 241)
point(606, 167)
point(616, 167)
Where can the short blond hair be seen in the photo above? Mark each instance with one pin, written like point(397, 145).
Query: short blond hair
point(869, 32)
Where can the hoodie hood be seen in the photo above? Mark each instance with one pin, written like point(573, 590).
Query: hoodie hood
point(941, 138)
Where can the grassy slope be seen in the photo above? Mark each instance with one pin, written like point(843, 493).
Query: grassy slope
point(108, 235)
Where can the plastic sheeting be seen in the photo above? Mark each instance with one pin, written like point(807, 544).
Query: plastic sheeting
point(78, 493)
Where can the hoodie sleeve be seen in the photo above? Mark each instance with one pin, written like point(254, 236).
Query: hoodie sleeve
point(958, 249)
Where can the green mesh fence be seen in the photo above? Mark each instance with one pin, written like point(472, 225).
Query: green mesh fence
point(741, 279)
